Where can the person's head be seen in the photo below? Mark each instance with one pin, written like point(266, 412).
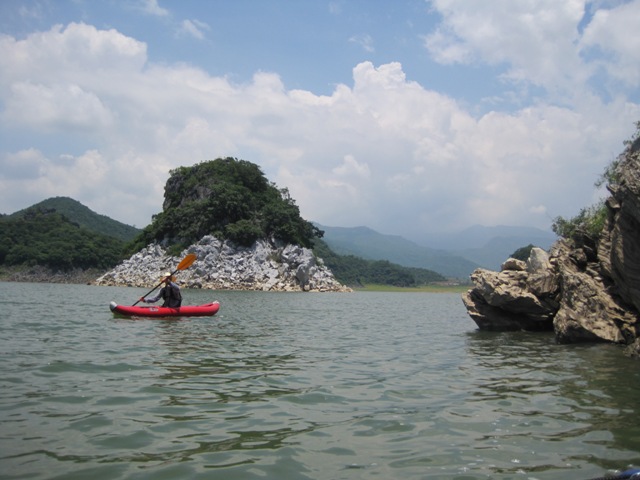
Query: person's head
point(167, 277)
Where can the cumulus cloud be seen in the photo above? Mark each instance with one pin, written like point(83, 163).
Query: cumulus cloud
point(382, 151)
point(541, 43)
point(611, 32)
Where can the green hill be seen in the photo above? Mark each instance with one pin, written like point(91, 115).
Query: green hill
point(371, 245)
point(356, 271)
point(84, 217)
point(48, 239)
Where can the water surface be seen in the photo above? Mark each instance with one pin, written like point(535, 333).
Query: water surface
point(301, 386)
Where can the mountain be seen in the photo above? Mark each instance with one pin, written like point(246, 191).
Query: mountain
point(453, 255)
point(477, 236)
point(84, 217)
point(489, 247)
point(45, 238)
point(369, 244)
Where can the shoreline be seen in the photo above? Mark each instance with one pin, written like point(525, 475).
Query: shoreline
point(423, 289)
point(38, 274)
point(81, 277)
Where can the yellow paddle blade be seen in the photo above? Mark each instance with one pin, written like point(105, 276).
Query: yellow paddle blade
point(187, 261)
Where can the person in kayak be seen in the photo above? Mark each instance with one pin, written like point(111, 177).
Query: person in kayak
point(170, 293)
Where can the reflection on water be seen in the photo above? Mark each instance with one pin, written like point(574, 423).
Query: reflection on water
point(302, 386)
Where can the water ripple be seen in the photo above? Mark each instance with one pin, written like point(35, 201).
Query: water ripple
point(302, 387)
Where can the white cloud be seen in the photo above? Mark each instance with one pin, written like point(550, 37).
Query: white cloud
point(538, 43)
point(193, 28)
point(365, 41)
point(55, 107)
point(614, 32)
point(152, 8)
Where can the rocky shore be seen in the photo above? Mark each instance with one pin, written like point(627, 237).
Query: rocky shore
point(584, 289)
point(222, 265)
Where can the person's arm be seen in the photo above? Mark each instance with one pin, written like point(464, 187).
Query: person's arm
point(152, 300)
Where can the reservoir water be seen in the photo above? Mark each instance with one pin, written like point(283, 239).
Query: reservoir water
point(301, 386)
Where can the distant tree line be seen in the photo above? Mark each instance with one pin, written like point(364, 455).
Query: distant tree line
point(356, 271)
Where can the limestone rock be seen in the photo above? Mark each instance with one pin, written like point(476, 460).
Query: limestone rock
point(585, 289)
point(588, 311)
point(224, 266)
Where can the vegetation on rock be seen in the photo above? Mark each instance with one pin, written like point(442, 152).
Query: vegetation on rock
point(523, 252)
point(230, 199)
point(590, 220)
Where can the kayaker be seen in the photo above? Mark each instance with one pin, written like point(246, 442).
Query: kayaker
point(170, 293)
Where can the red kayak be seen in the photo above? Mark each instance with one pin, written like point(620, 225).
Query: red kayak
point(206, 310)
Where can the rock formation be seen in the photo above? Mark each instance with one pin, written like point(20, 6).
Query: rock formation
point(585, 290)
point(224, 266)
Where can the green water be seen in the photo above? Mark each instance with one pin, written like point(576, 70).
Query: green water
point(301, 386)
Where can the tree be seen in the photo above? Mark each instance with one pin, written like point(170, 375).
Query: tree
point(522, 253)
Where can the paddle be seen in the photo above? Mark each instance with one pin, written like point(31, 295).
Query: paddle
point(183, 265)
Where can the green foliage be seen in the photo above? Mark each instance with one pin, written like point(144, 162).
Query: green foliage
point(228, 198)
point(611, 174)
point(243, 232)
point(589, 221)
point(522, 253)
point(47, 238)
point(356, 271)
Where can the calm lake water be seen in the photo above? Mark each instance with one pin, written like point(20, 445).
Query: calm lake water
point(301, 386)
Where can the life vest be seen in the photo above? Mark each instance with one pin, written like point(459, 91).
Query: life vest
point(171, 296)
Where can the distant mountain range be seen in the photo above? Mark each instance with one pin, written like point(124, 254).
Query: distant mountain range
point(477, 246)
point(453, 255)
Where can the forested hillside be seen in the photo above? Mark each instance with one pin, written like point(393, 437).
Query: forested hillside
point(356, 272)
point(84, 217)
point(48, 239)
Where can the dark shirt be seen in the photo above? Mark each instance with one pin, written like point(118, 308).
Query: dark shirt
point(170, 293)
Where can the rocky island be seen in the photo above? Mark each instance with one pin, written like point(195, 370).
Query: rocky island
point(246, 233)
point(587, 287)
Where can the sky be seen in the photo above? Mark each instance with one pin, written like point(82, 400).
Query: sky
point(411, 117)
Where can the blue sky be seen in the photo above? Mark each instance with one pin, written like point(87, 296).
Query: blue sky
point(410, 117)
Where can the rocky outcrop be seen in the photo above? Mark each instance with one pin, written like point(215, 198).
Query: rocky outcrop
point(584, 290)
point(224, 266)
point(522, 296)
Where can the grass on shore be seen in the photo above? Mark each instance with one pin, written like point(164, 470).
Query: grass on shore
point(424, 288)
